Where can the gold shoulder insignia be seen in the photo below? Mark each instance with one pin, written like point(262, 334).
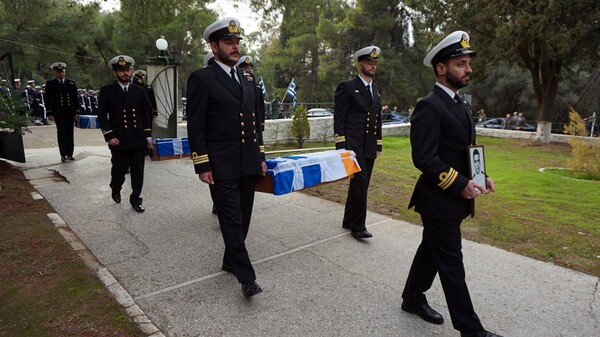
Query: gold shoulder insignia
point(339, 139)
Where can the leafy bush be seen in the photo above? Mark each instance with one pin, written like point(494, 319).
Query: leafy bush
point(13, 110)
point(585, 160)
point(300, 128)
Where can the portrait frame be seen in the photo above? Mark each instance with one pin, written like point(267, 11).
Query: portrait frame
point(477, 167)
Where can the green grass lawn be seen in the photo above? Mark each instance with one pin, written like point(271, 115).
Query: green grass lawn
point(541, 215)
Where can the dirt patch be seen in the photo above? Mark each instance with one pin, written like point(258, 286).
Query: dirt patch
point(45, 288)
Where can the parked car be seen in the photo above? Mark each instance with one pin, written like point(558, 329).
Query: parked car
point(390, 117)
point(319, 112)
point(496, 123)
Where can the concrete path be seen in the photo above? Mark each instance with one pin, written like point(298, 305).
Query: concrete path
point(317, 279)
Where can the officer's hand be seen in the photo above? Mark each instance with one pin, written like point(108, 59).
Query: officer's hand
point(206, 177)
point(51, 118)
point(490, 185)
point(113, 142)
point(149, 143)
point(472, 190)
point(378, 154)
point(264, 168)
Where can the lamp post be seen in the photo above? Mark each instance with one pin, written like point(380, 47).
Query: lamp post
point(162, 76)
point(162, 45)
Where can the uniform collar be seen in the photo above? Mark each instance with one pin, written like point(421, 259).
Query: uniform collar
point(446, 90)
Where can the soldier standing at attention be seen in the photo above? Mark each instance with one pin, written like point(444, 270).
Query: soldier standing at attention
point(226, 142)
point(442, 129)
point(124, 114)
point(61, 97)
point(357, 127)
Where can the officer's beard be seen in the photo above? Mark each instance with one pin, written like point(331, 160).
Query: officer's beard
point(226, 58)
point(455, 82)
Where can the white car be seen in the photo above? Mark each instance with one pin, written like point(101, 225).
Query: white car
point(319, 112)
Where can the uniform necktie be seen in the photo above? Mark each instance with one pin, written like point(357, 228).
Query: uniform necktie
point(232, 72)
point(370, 93)
point(125, 89)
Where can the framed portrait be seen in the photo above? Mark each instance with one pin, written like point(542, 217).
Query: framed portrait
point(477, 167)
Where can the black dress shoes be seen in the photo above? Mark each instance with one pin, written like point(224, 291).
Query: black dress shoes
point(424, 311)
point(116, 196)
point(70, 158)
point(362, 234)
point(63, 159)
point(483, 333)
point(138, 206)
point(250, 288)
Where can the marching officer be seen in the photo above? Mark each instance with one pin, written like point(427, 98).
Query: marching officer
point(246, 63)
point(441, 131)
point(124, 115)
point(357, 127)
point(62, 108)
point(226, 142)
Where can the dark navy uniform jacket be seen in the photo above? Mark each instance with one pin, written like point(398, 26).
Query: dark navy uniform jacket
point(440, 134)
point(125, 116)
point(357, 120)
point(224, 123)
point(61, 99)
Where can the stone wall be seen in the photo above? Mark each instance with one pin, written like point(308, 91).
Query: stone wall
point(321, 130)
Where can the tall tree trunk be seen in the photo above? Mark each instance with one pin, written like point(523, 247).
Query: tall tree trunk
point(545, 75)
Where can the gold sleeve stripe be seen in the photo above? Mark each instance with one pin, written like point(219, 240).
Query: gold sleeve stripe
point(379, 142)
point(447, 179)
point(147, 129)
point(199, 159)
point(106, 132)
point(262, 148)
point(340, 138)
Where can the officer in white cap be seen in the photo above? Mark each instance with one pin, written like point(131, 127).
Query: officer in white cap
point(124, 112)
point(226, 143)
point(357, 127)
point(209, 58)
point(247, 63)
point(62, 107)
point(441, 132)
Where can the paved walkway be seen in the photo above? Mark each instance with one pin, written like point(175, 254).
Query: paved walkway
point(164, 264)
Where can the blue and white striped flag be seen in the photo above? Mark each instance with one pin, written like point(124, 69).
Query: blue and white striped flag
point(262, 87)
point(291, 91)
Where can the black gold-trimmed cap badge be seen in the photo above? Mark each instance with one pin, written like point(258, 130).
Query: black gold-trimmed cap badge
point(464, 42)
point(233, 27)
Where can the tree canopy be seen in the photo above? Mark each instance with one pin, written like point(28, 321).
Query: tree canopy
point(533, 55)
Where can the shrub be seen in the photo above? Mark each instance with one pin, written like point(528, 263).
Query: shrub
point(300, 128)
point(13, 110)
point(585, 160)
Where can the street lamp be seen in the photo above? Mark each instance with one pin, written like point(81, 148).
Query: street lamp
point(162, 45)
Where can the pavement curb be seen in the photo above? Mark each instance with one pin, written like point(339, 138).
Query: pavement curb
point(135, 313)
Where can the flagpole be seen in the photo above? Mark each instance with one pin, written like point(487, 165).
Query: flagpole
point(284, 95)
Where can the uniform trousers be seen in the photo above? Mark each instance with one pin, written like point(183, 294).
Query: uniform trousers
point(440, 252)
point(122, 160)
point(64, 135)
point(355, 213)
point(234, 199)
